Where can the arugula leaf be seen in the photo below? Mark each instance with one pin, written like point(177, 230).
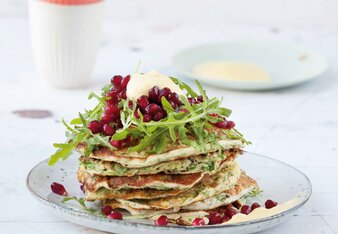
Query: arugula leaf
point(183, 85)
point(81, 201)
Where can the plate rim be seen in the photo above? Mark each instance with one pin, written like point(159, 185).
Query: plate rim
point(95, 218)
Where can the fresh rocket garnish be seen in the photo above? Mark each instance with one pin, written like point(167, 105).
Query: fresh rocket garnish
point(150, 123)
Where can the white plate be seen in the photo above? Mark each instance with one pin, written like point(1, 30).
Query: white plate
point(286, 64)
point(279, 181)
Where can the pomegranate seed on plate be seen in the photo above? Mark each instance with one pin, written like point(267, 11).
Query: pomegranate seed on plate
point(215, 218)
point(112, 109)
point(230, 125)
point(153, 94)
point(174, 97)
point(198, 222)
point(173, 104)
point(191, 100)
point(255, 205)
point(143, 101)
point(112, 98)
point(116, 80)
point(95, 126)
point(146, 118)
point(225, 219)
point(123, 94)
point(108, 130)
point(106, 210)
point(108, 118)
point(116, 143)
point(115, 215)
point(229, 212)
point(270, 204)
point(200, 98)
point(162, 221)
point(58, 189)
point(152, 109)
point(245, 209)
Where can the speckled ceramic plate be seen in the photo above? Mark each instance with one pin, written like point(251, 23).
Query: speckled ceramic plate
point(286, 64)
point(279, 181)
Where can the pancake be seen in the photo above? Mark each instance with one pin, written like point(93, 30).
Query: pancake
point(142, 159)
point(210, 186)
point(243, 187)
point(207, 163)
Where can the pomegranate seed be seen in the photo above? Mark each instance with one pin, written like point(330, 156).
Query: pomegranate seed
point(115, 215)
point(162, 221)
point(127, 140)
point(125, 82)
point(95, 126)
point(222, 124)
point(174, 97)
point(108, 130)
point(184, 110)
point(164, 93)
point(200, 98)
point(255, 205)
point(230, 125)
point(245, 209)
point(152, 109)
point(143, 101)
point(136, 114)
point(229, 212)
point(225, 219)
point(158, 116)
point(119, 124)
point(106, 118)
point(198, 222)
point(173, 104)
point(106, 210)
point(112, 110)
point(153, 94)
point(123, 94)
point(270, 204)
point(146, 118)
point(214, 115)
point(116, 143)
point(58, 189)
point(130, 104)
point(191, 100)
point(116, 80)
point(215, 218)
point(112, 98)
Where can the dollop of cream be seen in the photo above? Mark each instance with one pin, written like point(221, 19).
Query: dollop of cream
point(140, 84)
point(261, 212)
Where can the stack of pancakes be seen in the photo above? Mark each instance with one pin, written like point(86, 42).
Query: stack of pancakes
point(182, 179)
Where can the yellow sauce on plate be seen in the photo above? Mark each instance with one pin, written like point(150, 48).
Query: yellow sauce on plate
point(227, 70)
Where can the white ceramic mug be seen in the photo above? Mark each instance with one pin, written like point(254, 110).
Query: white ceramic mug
point(65, 40)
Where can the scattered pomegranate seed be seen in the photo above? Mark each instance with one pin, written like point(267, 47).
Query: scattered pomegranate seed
point(198, 222)
point(215, 218)
point(58, 189)
point(108, 118)
point(116, 80)
point(146, 118)
point(174, 98)
point(162, 221)
point(112, 110)
point(173, 104)
point(152, 109)
point(222, 124)
point(108, 130)
point(270, 204)
point(245, 209)
point(143, 101)
point(116, 143)
point(229, 212)
point(255, 205)
point(106, 210)
point(225, 219)
point(136, 114)
point(119, 123)
point(95, 126)
point(191, 100)
point(154, 92)
point(115, 215)
point(230, 125)
point(184, 110)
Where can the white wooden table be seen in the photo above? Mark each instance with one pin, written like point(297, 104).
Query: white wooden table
point(298, 125)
